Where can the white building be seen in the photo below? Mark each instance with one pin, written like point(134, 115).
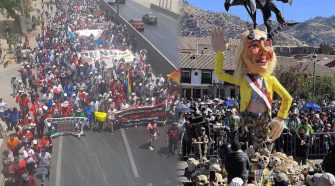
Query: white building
point(198, 78)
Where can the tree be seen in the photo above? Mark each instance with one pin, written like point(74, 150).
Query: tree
point(326, 49)
point(300, 84)
point(10, 8)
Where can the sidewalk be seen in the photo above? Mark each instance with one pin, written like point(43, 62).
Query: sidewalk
point(12, 68)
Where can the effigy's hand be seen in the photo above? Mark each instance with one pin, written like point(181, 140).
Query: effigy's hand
point(276, 127)
point(218, 40)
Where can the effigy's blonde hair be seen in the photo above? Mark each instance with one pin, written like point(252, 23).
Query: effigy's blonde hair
point(241, 68)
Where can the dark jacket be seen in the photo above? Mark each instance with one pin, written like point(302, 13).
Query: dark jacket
point(237, 164)
point(302, 150)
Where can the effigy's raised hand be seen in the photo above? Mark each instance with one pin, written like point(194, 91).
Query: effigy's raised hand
point(219, 43)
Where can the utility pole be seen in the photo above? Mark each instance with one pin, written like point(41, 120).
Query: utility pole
point(314, 58)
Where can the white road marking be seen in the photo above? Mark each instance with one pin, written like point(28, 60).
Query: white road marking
point(130, 155)
point(59, 160)
point(158, 34)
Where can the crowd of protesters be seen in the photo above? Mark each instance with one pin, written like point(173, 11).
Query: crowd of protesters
point(55, 82)
point(213, 134)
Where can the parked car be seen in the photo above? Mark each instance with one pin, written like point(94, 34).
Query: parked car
point(149, 18)
point(137, 24)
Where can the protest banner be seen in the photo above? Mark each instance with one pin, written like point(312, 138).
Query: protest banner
point(141, 115)
point(66, 125)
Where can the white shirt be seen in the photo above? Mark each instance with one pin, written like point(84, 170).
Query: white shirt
point(124, 106)
point(3, 104)
point(30, 153)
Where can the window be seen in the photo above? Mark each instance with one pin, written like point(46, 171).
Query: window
point(185, 76)
point(195, 73)
point(206, 77)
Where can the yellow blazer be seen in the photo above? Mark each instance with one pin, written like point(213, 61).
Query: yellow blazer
point(271, 82)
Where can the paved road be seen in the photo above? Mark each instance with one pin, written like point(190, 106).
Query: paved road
point(164, 36)
point(103, 160)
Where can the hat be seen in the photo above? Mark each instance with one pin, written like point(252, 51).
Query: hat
point(35, 142)
point(65, 104)
point(281, 177)
point(317, 116)
point(202, 128)
point(11, 133)
point(45, 107)
point(65, 94)
point(325, 179)
point(236, 182)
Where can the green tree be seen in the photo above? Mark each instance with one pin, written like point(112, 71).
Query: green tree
point(326, 49)
point(10, 8)
point(294, 79)
point(300, 84)
point(325, 87)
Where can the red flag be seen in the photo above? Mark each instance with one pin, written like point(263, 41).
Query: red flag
point(175, 76)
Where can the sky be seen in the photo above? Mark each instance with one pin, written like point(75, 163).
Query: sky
point(300, 10)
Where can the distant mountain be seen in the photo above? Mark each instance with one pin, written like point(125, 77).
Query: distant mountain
point(196, 22)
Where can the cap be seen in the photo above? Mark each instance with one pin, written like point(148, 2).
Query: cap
point(236, 182)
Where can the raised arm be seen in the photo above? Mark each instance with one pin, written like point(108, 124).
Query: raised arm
point(219, 46)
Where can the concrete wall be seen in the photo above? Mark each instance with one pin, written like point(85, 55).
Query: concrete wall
point(154, 57)
point(171, 5)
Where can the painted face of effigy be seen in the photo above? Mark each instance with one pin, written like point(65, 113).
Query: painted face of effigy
point(258, 53)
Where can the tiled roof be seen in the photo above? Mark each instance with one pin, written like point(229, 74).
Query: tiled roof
point(192, 42)
point(203, 61)
point(206, 61)
point(290, 62)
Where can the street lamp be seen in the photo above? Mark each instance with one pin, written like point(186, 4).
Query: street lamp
point(314, 59)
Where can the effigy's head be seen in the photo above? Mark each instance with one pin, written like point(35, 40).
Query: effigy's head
point(255, 54)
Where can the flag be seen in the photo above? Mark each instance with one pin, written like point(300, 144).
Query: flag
point(175, 76)
point(129, 83)
point(70, 33)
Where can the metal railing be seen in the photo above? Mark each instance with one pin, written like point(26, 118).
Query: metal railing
point(319, 145)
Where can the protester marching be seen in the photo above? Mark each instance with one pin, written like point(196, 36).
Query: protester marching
point(85, 73)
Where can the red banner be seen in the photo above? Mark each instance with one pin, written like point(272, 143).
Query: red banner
point(141, 115)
